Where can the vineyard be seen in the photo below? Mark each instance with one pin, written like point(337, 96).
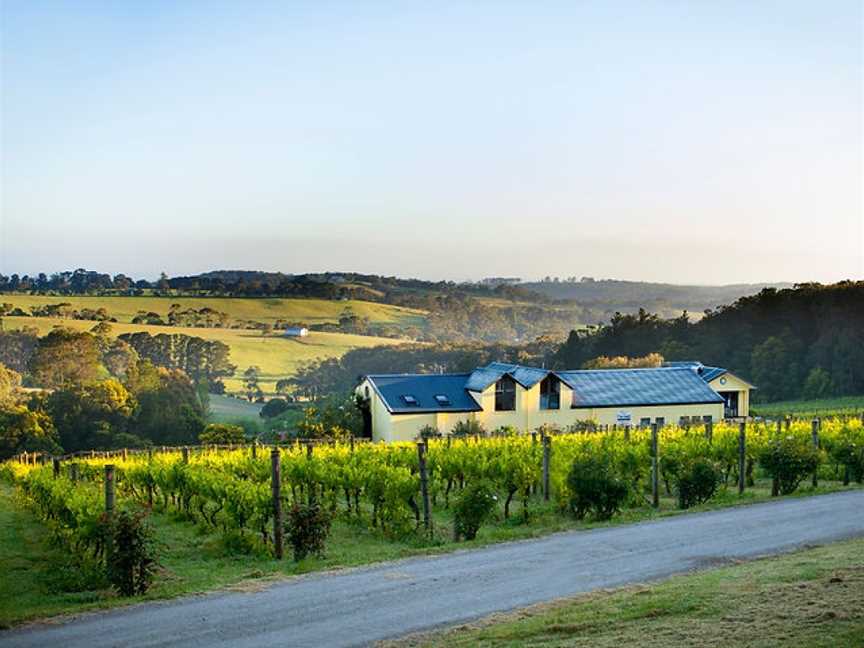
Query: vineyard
point(417, 490)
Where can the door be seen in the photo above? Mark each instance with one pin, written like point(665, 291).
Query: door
point(730, 404)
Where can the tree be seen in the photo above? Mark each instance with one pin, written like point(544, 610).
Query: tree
point(222, 434)
point(66, 357)
point(10, 381)
point(818, 384)
point(169, 409)
point(775, 369)
point(89, 416)
point(23, 429)
point(250, 382)
point(274, 407)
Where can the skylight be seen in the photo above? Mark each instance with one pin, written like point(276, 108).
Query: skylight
point(410, 400)
point(442, 399)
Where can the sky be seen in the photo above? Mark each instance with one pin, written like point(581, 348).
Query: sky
point(677, 141)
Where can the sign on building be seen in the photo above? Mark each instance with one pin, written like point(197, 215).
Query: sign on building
point(623, 418)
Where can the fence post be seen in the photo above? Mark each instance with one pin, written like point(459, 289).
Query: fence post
point(149, 454)
point(185, 454)
point(125, 454)
point(424, 485)
point(742, 456)
point(312, 487)
point(276, 485)
point(655, 466)
point(73, 472)
point(351, 442)
point(814, 432)
point(254, 448)
point(709, 430)
point(56, 464)
point(109, 489)
point(547, 464)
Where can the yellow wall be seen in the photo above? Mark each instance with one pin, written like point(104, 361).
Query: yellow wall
point(734, 383)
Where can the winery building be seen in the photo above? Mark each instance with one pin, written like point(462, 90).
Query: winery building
point(397, 406)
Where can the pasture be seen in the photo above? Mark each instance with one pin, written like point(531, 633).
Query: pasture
point(277, 356)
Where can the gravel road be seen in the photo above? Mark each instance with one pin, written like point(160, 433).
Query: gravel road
point(357, 607)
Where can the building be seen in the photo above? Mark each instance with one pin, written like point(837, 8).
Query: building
point(397, 406)
point(296, 331)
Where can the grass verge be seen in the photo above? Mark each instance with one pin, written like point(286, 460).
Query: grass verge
point(813, 598)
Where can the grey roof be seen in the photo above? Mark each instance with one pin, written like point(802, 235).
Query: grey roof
point(424, 387)
point(481, 378)
point(710, 373)
point(632, 387)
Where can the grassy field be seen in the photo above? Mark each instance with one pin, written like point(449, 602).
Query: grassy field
point(308, 311)
point(808, 599)
point(823, 407)
point(225, 409)
point(40, 581)
point(277, 356)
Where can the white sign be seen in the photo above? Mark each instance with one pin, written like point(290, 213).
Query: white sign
point(623, 418)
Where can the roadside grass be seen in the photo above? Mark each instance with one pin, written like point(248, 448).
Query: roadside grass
point(812, 598)
point(193, 559)
point(277, 356)
point(259, 309)
point(849, 405)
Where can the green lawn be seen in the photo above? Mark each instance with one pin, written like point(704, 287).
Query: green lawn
point(808, 599)
point(43, 582)
point(277, 356)
point(824, 407)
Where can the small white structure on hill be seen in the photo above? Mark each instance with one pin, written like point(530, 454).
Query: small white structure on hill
point(296, 331)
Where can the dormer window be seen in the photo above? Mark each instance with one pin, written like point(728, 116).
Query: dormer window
point(550, 393)
point(505, 394)
point(409, 400)
point(443, 400)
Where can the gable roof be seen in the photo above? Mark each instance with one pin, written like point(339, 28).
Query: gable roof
point(423, 387)
point(632, 387)
point(705, 372)
point(481, 378)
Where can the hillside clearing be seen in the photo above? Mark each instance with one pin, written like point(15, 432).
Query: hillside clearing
point(277, 356)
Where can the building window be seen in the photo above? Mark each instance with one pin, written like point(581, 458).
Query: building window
point(644, 422)
point(366, 391)
point(707, 418)
point(505, 394)
point(550, 393)
point(660, 421)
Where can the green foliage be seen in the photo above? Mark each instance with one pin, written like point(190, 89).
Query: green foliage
point(274, 407)
point(788, 460)
point(697, 482)
point(468, 428)
point(473, 508)
point(596, 486)
point(23, 429)
point(65, 358)
point(222, 434)
point(818, 384)
point(331, 417)
point(307, 527)
point(131, 557)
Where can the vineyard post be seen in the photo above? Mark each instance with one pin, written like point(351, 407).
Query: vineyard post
point(254, 448)
point(125, 454)
point(655, 467)
point(56, 465)
point(109, 489)
point(547, 452)
point(627, 433)
point(709, 430)
point(424, 485)
point(312, 494)
point(814, 432)
point(73, 472)
point(276, 485)
point(742, 456)
point(779, 426)
point(185, 454)
point(149, 455)
point(351, 442)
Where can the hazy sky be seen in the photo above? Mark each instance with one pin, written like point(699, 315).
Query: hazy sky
point(682, 141)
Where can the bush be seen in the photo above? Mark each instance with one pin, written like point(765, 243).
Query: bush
point(222, 433)
point(307, 527)
point(274, 407)
point(697, 483)
point(472, 509)
point(468, 428)
point(131, 557)
point(595, 486)
point(788, 460)
point(850, 455)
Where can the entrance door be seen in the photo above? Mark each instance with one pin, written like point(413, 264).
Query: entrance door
point(730, 404)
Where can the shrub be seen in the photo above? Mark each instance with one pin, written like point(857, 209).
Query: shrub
point(850, 455)
point(428, 432)
point(222, 433)
point(468, 428)
point(307, 527)
point(131, 557)
point(274, 407)
point(696, 483)
point(472, 509)
point(595, 486)
point(788, 461)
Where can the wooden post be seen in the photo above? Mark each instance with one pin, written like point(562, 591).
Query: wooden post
point(627, 433)
point(655, 467)
point(125, 454)
point(709, 430)
point(814, 433)
point(276, 485)
point(424, 486)
point(185, 454)
point(351, 442)
point(742, 456)
point(73, 472)
point(149, 454)
point(312, 488)
point(255, 448)
point(779, 426)
point(109, 489)
point(56, 464)
point(547, 455)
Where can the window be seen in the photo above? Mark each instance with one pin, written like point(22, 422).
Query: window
point(707, 418)
point(366, 391)
point(442, 400)
point(550, 393)
point(408, 399)
point(505, 394)
point(660, 421)
point(683, 421)
point(644, 422)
